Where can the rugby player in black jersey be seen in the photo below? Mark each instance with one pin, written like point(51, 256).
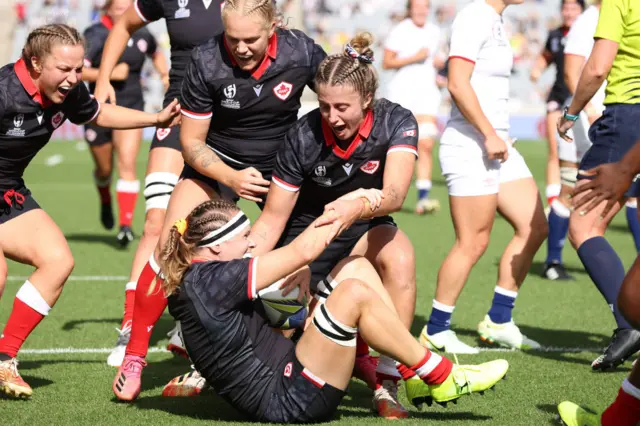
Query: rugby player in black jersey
point(351, 142)
point(37, 94)
point(188, 24)
point(242, 93)
point(212, 285)
point(126, 80)
point(553, 54)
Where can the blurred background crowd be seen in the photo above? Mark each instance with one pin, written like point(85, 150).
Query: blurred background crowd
point(329, 22)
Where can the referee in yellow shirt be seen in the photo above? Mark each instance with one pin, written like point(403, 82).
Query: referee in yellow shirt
point(616, 57)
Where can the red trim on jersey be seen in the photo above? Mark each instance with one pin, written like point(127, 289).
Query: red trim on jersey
point(197, 114)
point(463, 58)
point(270, 55)
point(565, 30)
point(199, 260)
point(363, 132)
point(318, 382)
point(107, 21)
point(20, 68)
point(286, 185)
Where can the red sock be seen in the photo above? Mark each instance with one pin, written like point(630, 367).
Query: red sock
point(127, 195)
point(129, 300)
point(405, 371)
point(625, 411)
point(104, 190)
point(362, 348)
point(433, 369)
point(23, 319)
point(148, 307)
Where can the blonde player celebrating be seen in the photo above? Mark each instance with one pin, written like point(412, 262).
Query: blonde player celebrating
point(410, 49)
point(484, 174)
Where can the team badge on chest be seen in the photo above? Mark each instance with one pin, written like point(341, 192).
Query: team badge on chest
point(161, 134)
point(370, 167)
point(283, 90)
point(57, 119)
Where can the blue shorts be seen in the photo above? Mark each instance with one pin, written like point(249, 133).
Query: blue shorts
point(613, 135)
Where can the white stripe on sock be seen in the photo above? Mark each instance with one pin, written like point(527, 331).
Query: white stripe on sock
point(131, 285)
point(504, 292)
point(154, 265)
point(130, 186)
point(553, 190)
point(442, 307)
point(431, 364)
point(560, 209)
point(632, 203)
point(423, 184)
point(628, 388)
point(32, 297)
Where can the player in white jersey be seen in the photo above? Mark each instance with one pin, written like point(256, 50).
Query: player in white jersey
point(410, 49)
point(577, 49)
point(484, 174)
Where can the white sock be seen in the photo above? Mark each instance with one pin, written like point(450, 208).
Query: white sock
point(31, 297)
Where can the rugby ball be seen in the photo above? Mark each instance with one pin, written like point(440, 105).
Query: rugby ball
point(284, 312)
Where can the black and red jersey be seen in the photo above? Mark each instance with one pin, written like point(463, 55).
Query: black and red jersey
point(312, 162)
point(27, 120)
point(250, 111)
point(229, 342)
point(555, 47)
point(141, 45)
point(189, 23)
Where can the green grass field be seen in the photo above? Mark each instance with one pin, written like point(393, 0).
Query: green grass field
point(73, 386)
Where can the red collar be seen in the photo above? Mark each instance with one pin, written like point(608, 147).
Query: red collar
point(20, 68)
point(272, 49)
point(565, 30)
point(363, 132)
point(107, 21)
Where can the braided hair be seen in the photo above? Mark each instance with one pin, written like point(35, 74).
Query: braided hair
point(181, 246)
point(41, 41)
point(353, 67)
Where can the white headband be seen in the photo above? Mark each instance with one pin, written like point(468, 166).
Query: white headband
point(230, 229)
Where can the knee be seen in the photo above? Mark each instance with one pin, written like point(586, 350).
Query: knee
point(153, 223)
point(397, 267)
point(61, 260)
point(474, 248)
point(354, 291)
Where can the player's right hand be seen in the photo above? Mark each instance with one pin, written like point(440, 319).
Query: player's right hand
point(496, 148)
point(249, 184)
point(104, 92)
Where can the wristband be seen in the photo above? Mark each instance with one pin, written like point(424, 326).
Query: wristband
point(570, 117)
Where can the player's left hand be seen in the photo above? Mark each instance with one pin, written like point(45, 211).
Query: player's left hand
point(170, 116)
point(340, 214)
point(301, 279)
point(609, 183)
point(564, 126)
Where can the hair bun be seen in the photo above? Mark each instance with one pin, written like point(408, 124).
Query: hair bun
point(360, 47)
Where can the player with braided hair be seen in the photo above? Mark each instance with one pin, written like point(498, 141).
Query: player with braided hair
point(240, 94)
point(37, 94)
point(352, 146)
point(212, 284)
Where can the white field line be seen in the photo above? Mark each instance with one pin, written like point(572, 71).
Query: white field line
point(64, 351)
point(79, 278)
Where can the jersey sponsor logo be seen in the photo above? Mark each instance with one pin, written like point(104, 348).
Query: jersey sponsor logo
point(39, 116)
point(57, 119)
point(347, 168)
point(142, 45)
point(283, 90)
point(207, 3)
point(161, 134)
point(258, 89)
point(182, 11)
point(90, 135)
point(230, 93)
point(18, 120)
point(370, 167)
point(409, 132)
point(288, 369)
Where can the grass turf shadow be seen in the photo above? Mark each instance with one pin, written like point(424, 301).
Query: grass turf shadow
point(165, 324)
point(104, 239)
